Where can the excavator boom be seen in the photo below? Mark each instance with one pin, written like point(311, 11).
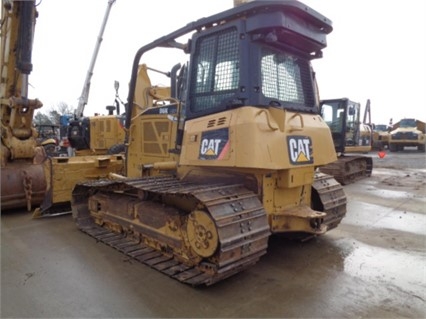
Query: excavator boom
point(22, 177)
point(29, 178)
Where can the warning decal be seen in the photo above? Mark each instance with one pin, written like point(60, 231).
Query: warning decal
point(300, 150)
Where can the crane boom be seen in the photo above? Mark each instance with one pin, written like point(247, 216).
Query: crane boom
point(84, 97)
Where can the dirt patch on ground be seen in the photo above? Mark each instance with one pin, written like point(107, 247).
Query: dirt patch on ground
point(408, 178)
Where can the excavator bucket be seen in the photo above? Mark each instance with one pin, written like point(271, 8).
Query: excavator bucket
point(22, 184)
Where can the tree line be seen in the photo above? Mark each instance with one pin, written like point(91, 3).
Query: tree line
point(52, 115)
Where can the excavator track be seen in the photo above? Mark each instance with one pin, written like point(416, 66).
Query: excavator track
point(198, 213)
point(348, 169)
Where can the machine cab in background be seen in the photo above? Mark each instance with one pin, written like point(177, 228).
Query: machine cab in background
point(343, 116)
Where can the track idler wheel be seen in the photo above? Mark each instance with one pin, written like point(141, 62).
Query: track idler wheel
point(202, 233)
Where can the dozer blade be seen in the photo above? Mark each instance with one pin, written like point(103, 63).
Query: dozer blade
point(63, 173)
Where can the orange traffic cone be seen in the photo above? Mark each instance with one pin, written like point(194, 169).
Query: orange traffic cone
point(382, 154)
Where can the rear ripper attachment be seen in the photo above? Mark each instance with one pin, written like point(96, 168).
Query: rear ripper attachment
point(197, 234)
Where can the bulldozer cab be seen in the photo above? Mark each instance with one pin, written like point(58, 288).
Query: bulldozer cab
point(221, 81)
point(237, 58)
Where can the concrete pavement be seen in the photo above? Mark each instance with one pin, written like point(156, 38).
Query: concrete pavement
point(372, 265)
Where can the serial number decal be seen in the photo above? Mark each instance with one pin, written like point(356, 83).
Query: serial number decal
point(169, 109)
point(214, 144)
point(300, 150)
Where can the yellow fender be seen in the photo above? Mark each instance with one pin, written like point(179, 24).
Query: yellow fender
point(48, 141)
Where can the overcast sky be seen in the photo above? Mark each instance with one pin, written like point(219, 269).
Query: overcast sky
point(376, 50)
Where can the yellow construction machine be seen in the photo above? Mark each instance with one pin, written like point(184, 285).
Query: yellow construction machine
point(22, 177)
point(99, 134)
point(29, 177)
point(408, 132)
point(228, 154)
point(92, 137)
point(351, 138)
point(380, 136)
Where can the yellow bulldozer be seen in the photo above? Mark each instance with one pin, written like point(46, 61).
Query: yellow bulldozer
point(30, 178)
point(228, 154)
point(351, 136)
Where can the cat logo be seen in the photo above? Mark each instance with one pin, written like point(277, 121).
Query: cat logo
point(214, 144)
point(300, 150)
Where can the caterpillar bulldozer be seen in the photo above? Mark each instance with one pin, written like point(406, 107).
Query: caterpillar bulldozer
point(351, 138)
point(228, 154)
point(30, 178)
